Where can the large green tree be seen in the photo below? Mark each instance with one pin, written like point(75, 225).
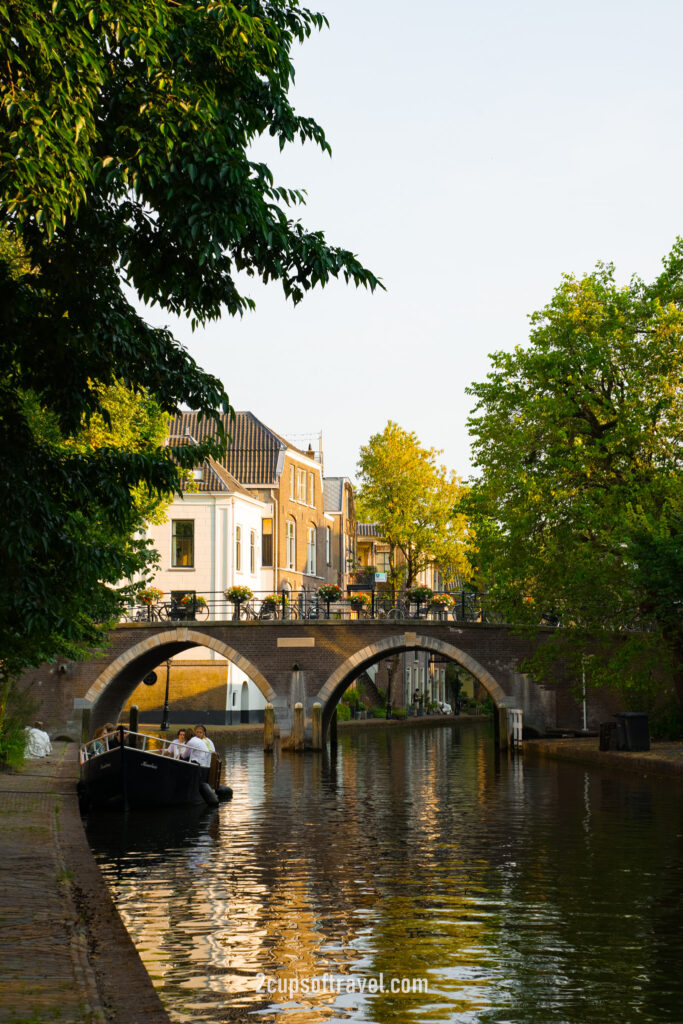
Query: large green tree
point(578, 443)
point(413, 498)
point(125, 133)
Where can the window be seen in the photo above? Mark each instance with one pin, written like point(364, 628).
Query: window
point(310, 551)
point(328, 545)
point(238, 548)
point(266, 542)
point(311, 489)
point(382, 561)
point(290, 544)
point(301, 486)
point(252, 551)
point(182, 544)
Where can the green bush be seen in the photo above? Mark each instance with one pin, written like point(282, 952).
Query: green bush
point(351, 698)
point(378, 712)
point(20, 710)
point(398, 713)
point(343, 713)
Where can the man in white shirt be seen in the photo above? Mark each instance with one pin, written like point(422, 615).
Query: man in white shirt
point(200, 751)
point(200, 730)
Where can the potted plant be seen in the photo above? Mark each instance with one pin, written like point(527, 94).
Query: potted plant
point(191, 602)
point(329, 592)
point(418, 595)
point(270, 604)
point(150, 595)
point(238, 595)
point(441, 602)
point(358, 601)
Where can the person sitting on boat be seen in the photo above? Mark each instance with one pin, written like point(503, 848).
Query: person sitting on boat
point(199, 749)
point(99, 740)
point(114, 734)
point(178, 746)
point(200, 730)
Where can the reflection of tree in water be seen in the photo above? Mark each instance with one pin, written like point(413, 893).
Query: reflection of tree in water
point(523, 891)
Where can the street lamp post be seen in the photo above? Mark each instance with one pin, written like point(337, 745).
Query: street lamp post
point(164, 717)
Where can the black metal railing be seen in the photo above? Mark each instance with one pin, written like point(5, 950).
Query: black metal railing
point(357, 602)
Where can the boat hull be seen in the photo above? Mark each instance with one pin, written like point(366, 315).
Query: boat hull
point(127, 777)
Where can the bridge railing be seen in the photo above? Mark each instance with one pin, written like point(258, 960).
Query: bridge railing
point(306, 603)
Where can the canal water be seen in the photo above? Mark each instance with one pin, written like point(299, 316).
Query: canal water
point(412, 878)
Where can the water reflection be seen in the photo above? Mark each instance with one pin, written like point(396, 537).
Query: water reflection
point(521, 892)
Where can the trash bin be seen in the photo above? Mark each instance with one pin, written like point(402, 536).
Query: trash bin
point(608, 736)
point(633, 731)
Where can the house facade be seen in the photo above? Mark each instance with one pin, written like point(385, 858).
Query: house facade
point(340, 530)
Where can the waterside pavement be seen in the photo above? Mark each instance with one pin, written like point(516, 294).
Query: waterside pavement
point(66, 956)
point(663, 759)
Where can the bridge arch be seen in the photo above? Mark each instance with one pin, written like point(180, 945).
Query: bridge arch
point(362, 659)
point(116, 682)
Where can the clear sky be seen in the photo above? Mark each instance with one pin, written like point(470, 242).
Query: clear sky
point(480, 150)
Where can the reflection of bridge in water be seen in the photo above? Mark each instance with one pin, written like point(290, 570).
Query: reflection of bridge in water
point(313, 661)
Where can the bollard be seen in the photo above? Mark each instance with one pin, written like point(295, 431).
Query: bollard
point(298, 730)
point(85, 725)
point(502, 721)
point(317, 726)
point(133, 724)
point(269, 728)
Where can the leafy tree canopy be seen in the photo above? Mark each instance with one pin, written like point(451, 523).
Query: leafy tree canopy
point(125, 130)
point(412, 499)
point(578, 440)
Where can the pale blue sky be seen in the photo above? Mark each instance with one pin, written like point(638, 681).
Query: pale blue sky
point(479, 151)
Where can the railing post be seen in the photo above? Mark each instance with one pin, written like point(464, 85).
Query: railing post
point(269, 728)
point(317, 726)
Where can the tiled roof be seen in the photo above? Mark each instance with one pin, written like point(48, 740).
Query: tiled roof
point(215, 478)
point(254, 449)
point(368, 530)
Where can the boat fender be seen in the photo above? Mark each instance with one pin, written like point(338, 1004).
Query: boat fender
point(208, 794)
point(223, 793)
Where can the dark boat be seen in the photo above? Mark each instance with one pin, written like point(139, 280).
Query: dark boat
point(134, 771)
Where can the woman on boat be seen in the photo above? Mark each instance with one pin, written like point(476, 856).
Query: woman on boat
point(177, 747)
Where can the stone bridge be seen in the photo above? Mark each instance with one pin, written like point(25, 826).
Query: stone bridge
point(308, 661)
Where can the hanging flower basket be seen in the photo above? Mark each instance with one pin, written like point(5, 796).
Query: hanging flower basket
point(238, 594)
point(358, 600)
point(330, 592)
point(419, 594)
point(273, 600)
point(150, 595)
point(193, 601)
point(442, 601)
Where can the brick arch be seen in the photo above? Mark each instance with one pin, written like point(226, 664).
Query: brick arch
point(359, 661)
point(130, 667)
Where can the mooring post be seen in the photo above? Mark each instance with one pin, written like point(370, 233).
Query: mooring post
point(269, 728)
point(298, 730)
point(133, 724)
point(85, 725)
point(503, 728)
point(317, 726)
